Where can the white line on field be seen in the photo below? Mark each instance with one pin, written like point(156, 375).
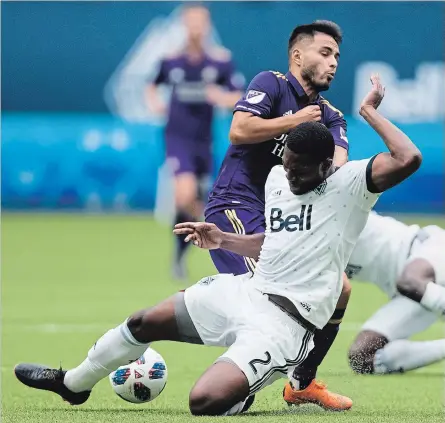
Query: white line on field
point(101, 327)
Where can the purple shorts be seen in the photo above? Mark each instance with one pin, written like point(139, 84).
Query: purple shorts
point(239, 221)
point(186, 156)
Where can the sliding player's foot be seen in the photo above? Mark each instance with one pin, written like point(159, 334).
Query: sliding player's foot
point(42, 377)
point(248, 403)
point(316, 393)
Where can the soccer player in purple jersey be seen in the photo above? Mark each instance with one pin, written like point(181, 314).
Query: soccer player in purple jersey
point(273, 104)
point(201, 78)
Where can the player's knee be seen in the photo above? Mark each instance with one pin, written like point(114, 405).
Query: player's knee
point(414, 279)
point(204, 403)
point(360, 360)
point(408, 287)
point(139, 325)
point(185, 200)
point(362, 352)
point(186, 191)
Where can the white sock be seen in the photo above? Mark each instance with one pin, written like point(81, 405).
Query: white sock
point(402, 355)
point(434, 298)
point(236, 409)
point(116, 348)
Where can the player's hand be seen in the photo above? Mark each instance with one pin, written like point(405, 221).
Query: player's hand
point(310, 113)
point(203, 235)
point(375, 96)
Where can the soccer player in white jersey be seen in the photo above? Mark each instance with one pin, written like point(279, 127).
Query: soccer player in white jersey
point(314, 215)
point(408, 264)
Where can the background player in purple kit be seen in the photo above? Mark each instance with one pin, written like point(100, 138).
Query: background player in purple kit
point(273, 104)
point(201, 78)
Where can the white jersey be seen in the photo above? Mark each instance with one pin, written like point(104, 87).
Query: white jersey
point(381, 252)
point(309, 238)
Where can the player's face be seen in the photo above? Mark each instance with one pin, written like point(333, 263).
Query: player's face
point(303, 174)
point(319, 61)
point(197, 23)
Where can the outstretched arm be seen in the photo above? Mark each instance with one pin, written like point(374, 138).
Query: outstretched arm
point(210, 237)
point(403, 159)
point(244, 245)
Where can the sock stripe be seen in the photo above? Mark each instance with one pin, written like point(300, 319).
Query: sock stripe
point(125, 332)
point(338, 314)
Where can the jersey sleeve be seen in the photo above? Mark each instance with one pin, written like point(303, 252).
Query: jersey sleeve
point(336, 124)
point(230, 78)
point(359, 182)
point(162, 75)
point(260, 95)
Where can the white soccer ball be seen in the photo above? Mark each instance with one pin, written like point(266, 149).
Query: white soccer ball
point(140, 381)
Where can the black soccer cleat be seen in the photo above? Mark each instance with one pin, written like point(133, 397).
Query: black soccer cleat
point(248, 403)
point(41, 377)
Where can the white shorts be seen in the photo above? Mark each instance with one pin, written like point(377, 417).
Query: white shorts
point(401, 317)
point(264, 342)
point(433, 251)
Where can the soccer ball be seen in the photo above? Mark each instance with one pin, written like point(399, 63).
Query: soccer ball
point(140, 381)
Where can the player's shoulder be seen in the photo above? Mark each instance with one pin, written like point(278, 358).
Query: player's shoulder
point(275, 180)
point(219, 54)
point(350, 170)
point(276, 175)
point(271, 76)
point(277, 171)
point(271, 81)
point(375, 219)
point(329, 107)
point(278, 75)
point(354, 165)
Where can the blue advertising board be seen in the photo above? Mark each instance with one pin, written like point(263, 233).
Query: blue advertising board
point(100, 163)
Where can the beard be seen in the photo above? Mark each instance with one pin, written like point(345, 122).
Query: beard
point(309, 75)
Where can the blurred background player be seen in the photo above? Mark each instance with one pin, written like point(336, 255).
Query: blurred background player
point(408, 264)
point(273, 104)
point(201, 77)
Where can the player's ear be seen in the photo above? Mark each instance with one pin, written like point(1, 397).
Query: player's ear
point(296, 56)
point(326, 165)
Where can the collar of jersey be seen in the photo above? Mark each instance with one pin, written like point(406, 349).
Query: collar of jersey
point(297, 86)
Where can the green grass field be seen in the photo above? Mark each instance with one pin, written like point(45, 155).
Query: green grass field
point(66, 279)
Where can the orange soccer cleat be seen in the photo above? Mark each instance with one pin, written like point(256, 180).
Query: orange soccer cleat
point(316, 393)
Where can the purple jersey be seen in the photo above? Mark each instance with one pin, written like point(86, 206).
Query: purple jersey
point(190, 115)
point(245, 168)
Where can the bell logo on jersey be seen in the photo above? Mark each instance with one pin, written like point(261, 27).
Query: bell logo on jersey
point(292, 222)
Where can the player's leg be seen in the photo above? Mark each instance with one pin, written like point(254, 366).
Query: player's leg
point(188, 209)
point(240, 221)
point(223, 389)
point(226, 397)
point(191, 184)
point(302, 386)
point(119, 346)
point(382, 346)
